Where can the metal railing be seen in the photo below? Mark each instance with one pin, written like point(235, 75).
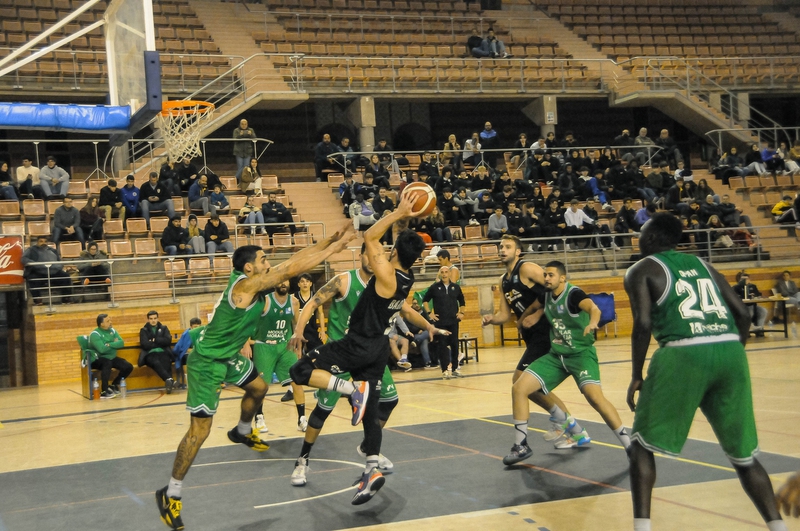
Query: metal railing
point(785, 134)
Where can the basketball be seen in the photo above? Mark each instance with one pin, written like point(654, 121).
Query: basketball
point(424, 198)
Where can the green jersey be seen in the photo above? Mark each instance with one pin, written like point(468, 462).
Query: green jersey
point(275, 326)
point(229, 327)
point(691, 307)
point(567, 321)
point(341, 308)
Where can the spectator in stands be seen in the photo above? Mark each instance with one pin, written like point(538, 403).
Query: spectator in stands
point(445, 181)
point(7, 190)
point(361, 213)
point(322, 154)
point(453, 214)
point(382, 205)
point(786, 287)
point(644, 214)
point(217, 199)
point(520, 152)
point(719, 235)
point(198, 196)
point(452, 154)
point(538, 169)
point(243, 148)
point(676, 198)
point(155, 341)
point(729, 164)
point(130, 196)
point(53, 180)
point(218, 239)
point(754, 162)
point(197, 240)
point(92, 219)
point(578, 224)
point(644, 145)
point(519, 223)
point(498, 224)
point(251, 214)
point(504, 197)
point(553, 224)
point(474, 43)
point(181, 350)
point(485, 208)
point(747, 290)
point(169, 177)
point(111, 201)
point(660, 180)
point(67, 222)
point(709, 208)
point(175, 239)
point(772, 161)
point(703, 190)
point(489, 139)
point(428, 165)
point(622, 141)
point(732, 215)
point(38, 275)
point(782, 211)
point(385, 152)
point(96, 271)
point(344, 161)
point(566, 182)
point(375, 168)
point(187, 174)
point(154, 196)
point(347, 192)
point(603, 229)
point(577, 157)
point(794, 153)
point(437, 227)
point(250, 178)
point(28, 180)
point(625, 221)
point(591, 186)
point(447, 313)
point(276, 212)
point(472, 150)
point(369, 188)
point(669, 148)
point(104, 342)
point(790, 166)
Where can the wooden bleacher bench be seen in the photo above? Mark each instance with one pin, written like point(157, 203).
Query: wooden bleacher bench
point(142, 378)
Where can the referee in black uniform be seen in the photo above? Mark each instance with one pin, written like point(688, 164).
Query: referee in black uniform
point(448, 310)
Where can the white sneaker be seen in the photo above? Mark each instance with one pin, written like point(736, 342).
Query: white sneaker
point(556, 430)
point(566, 247)
point(403, 363)
point(299, 474)
point(446, 375)
point(608, 206)
point(384, 465)
point(261, 426)
point(530, 249)
point(302, 424)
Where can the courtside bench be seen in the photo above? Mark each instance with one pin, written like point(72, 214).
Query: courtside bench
point(141, 379)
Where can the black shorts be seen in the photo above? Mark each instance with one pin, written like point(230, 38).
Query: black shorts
point(537, 344)
point(363, 358)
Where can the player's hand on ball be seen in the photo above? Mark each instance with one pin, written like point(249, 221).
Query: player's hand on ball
point(406, 206)
point(636, 385)
point(788, 496)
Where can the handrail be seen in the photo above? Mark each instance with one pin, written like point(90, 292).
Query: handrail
point(758, 131)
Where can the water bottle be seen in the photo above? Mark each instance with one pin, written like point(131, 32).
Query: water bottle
point(95, 389)
point(123, 388)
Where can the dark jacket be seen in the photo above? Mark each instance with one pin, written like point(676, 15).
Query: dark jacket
point(107, 197)
point(380, 206)
point(746, 291)
point(273, 211)
point(35, 253)
point(446, 301)
point(221, 232)
point(159, 190)
point(148, 340)
point(174, 236)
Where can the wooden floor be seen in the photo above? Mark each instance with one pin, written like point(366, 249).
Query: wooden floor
point(53, 425)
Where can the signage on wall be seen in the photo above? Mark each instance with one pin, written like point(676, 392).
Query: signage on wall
point(11, 260)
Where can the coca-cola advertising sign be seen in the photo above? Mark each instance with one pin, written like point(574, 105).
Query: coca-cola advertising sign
point(11, 260)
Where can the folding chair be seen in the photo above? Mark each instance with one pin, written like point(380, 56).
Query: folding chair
point(608, 313)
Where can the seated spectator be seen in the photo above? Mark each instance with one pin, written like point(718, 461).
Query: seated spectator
point(677, 198)
point(28, 180)
point(250, 178)
point(111, 201)
point(345, 162)
point(445, 181)
point(53, 180)
point(787, 288)
point(553, 224)
point(779, 211)
point(181, 351)
point(399, 340)
point(38, 275)
point(591, 186)
point(454, 214)
point(555, 197)
point(485, 208)
point(217, 237)
point(218, 200)
point(369, 188)
point(669, 148)
point(187, 176)
point(491, 46)
point(604, 241)
point(130, 196)
point(709, 208)
point(175, 239)
point(197, 240)
point(251, 215)
point(198, 196)
point(428, 165)
point(474, 43)
point(385, 153)
point(537, 199)
point(732, 216)
point(154, 196)
point(382, 205)
point(155, 341)
point(95, 271)
point(703, 190)
point(361, 213)
point(67, 223)
point(643, 147)
point(747, 290)
point(451, 154)
point(719, 235)
point(92, 219)
point(790, 166)
point(504, 197)
point(322, 156)
point(169, 176)
point(754, 163)
point(625, 221)
point(347, 192)
point(794, 153)
point(541, 168)
point(772, 161)
point(729, 165)
point(7, 190)
point(437, 228)
point(421, 337)
point(104, 342)
point(578, 224)
point(472, 150)
point(624, 143)
point(519, 223)
point(275, 213)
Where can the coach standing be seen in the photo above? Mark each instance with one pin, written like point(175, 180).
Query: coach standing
point(448, 311)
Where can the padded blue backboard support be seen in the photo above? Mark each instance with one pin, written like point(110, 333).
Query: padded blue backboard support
point(65, 117)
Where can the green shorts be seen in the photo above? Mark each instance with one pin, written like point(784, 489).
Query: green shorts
point(206, 376)
point(714, 377)
point(552, 369)
point(328, 399)
point(274, 359)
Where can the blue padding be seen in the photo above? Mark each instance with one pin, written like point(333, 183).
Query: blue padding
point(58, 117)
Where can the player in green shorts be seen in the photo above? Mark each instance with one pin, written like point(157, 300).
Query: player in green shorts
point(218, 357)
point(573, 319)
point(701, 327)
point(271, 353)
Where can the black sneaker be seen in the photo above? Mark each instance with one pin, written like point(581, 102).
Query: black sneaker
point(251, 440)
point(288, 396)
point(115, 389)
point(368, 484)
point(519, 452)
point(168, 385)
point(108, 393)
point(170, 509)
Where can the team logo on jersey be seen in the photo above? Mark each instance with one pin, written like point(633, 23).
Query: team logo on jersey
point(358, 293)
point(336, 370)
point(583, 373)
point(560, 308)
point(389, 387)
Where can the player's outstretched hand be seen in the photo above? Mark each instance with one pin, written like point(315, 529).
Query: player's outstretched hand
point(636, 385)
point(296, 344)
point(788, 496)
point(346, 226)
point(406, 206)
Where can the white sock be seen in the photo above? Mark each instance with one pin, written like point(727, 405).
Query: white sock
point(344, 387)
point(623, 437)
point(641, 524)
point(777, 525)
point(244, 428)
point(520, 430)
point(372, 462)
point(558, 415)
point(174, 488)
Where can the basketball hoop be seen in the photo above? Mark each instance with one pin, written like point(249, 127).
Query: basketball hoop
point(181, 123)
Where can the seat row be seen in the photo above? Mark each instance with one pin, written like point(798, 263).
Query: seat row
point(689, 6)
point(445, 51)
point(762, 33)
point(766, 183)
point(374, 6)
point(691, 39)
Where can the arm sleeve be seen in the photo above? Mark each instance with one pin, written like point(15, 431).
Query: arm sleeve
point(461, 297)
point(428, 295)
point(143, 340)
point(164, 339)
point(576, 297)
point(118, 342)
point(401, 325)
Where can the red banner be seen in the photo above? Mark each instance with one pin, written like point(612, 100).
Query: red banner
point(11, 260)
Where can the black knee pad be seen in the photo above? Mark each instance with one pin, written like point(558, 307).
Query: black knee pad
point(318, 417)
point(301, 371)
point(385, 409)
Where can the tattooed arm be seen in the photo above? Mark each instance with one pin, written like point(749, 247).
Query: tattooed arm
point(336, 287)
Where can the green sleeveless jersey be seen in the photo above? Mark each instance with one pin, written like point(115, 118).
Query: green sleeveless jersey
point(229, 327)
point(275, 326)
point(339, 315)
point(566, 328)
point(691, 307)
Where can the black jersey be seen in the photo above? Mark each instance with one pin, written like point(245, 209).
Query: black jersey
point(520, 296)
point(373, 315)
point(312, 327)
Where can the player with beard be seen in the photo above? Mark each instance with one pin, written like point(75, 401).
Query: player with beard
point(522, 284)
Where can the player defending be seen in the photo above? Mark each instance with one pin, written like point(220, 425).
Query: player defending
point(217, 356)
point(701, 327)
point(364, 350)
point(271, 353)
point(573, 318)
point(522, 285)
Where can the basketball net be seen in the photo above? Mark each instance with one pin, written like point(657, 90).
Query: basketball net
point(181, 123)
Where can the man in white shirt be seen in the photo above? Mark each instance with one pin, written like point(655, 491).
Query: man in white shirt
point(472, 150)
point(578, 224)
point(28, 179)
